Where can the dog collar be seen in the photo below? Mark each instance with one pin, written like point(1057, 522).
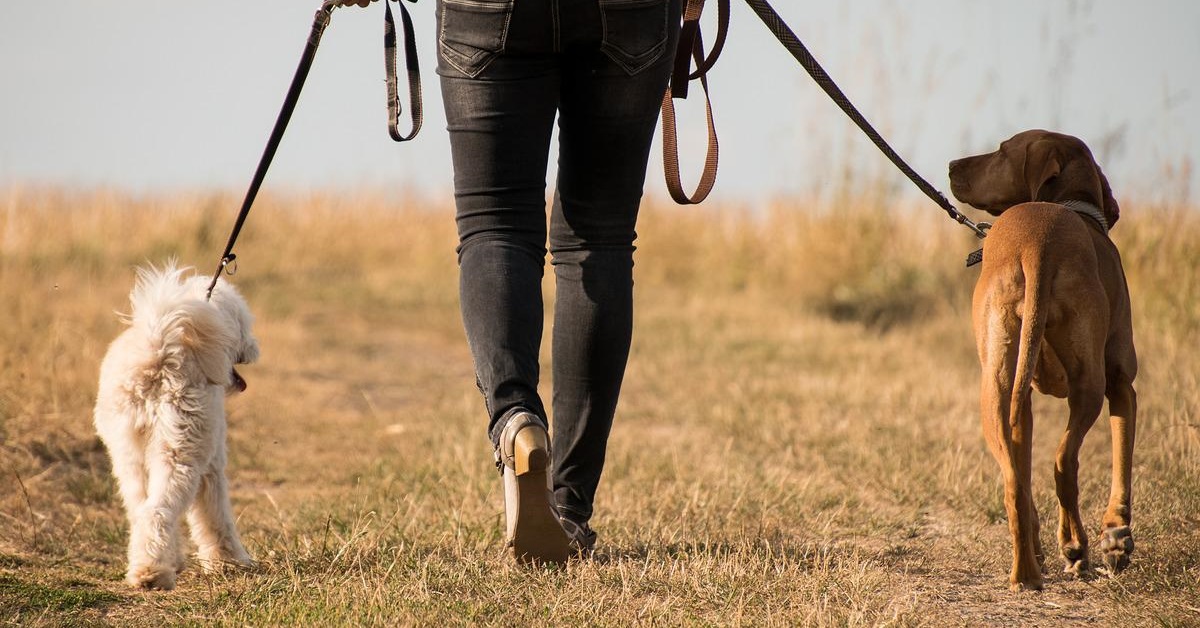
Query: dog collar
point(1083, 208)
point(1087, 210)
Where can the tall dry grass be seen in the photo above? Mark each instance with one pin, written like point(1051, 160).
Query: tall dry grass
point(797, 443)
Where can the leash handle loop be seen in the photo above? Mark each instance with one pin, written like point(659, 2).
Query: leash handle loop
point(413, 69)
point(708, 176)
point(702, 67)
point(689, 49)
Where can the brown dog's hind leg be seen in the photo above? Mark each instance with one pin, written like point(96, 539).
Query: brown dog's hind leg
point(1085, 401)
point(1019, 508)
point(1009, 439)
point(1012, 448)
point(1022, 516)
point(1116, 537)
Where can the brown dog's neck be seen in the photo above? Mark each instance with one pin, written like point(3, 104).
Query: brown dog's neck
point(1090, 211)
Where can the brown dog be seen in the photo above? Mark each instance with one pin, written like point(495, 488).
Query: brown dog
point(1051, 310)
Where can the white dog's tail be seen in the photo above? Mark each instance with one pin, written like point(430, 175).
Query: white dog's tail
point(179, 323)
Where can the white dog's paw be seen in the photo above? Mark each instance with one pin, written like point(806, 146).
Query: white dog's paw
point(180, 561)
point(152, 577)
point(223, 562)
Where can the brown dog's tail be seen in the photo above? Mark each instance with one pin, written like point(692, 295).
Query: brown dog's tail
point(1033, 330)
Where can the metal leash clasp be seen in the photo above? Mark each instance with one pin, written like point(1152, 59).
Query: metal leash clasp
point(981, 229)
point(227, 266)
point(321, 20)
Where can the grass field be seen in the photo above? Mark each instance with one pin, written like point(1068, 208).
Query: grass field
point(798, 441)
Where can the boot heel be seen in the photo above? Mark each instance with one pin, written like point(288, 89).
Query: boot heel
point(533, 529)
point(531, 452)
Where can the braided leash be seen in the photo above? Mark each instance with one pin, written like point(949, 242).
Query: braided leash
point(792, 43)
point(320, 22)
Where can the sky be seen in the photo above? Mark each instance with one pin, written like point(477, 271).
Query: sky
point(154, 96)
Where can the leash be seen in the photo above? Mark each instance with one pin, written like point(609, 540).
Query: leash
point(320, 23)
point(800, 52)
point(691, 47)
point(415, 108)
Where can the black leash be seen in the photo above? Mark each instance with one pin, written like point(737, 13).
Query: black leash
point(320, 22)
point(690, 48)
point(793, 44)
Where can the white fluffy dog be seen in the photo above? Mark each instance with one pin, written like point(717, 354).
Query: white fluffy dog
point(160, 410)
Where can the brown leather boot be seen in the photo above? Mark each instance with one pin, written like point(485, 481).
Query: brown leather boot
point(533, 530)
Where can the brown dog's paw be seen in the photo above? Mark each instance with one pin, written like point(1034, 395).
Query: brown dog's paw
point(1076, 562)
point(1025, 579)
point(1029, 585)
point(1117, 546)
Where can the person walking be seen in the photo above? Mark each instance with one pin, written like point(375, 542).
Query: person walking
point(508, 68)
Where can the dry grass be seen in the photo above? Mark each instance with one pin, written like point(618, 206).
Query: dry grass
point(798, 441)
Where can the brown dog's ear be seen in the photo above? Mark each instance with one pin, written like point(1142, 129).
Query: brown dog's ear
point(1109, 206)
point(1042, 166)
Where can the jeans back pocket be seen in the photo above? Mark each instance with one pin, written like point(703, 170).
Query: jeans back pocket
point(635, 32)
point(472, 32)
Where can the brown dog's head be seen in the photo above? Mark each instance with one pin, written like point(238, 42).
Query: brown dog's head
point(1033, 166)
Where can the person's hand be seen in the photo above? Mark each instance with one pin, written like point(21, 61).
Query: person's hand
point(361, 3)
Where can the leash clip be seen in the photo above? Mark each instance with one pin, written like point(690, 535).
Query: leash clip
point(981, 229)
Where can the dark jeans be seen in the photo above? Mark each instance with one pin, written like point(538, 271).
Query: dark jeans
point(507, 68)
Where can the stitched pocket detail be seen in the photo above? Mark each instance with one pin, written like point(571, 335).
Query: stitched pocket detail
point(635, 32)
point(473, 32)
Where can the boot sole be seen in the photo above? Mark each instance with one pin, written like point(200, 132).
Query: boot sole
point(538, 537)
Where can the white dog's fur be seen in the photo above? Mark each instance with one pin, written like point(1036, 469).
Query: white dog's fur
point(160, 410)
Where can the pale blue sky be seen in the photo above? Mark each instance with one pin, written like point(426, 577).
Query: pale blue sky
point(153, 95)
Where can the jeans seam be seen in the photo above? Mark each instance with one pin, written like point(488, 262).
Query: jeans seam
point(557, 26)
